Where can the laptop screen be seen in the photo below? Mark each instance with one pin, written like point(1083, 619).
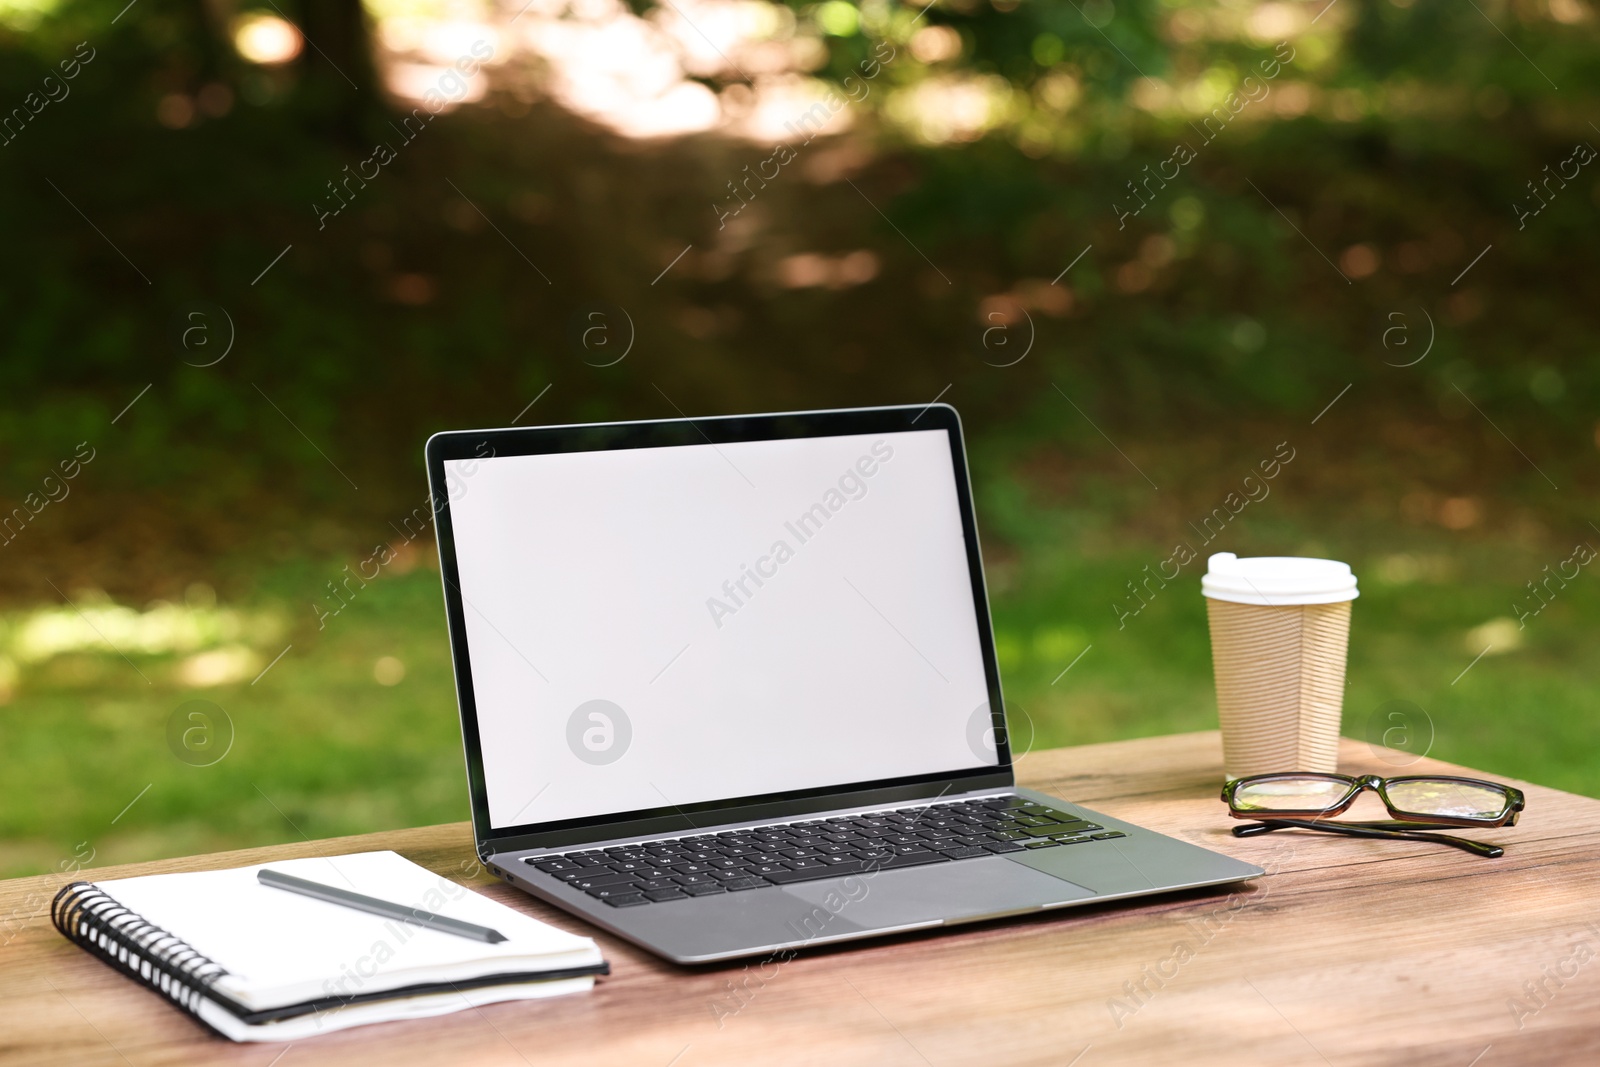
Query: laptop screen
point(666, 626)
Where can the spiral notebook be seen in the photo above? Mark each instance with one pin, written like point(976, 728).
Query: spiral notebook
point(256, 963)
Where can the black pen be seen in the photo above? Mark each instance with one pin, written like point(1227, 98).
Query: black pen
point(333, 895)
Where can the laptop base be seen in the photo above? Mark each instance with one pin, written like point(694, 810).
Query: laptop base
point(877, 902)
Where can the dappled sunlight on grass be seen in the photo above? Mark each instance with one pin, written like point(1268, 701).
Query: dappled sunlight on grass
point(219, 644)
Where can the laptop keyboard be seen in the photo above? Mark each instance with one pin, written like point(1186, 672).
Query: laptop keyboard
point(654, 872)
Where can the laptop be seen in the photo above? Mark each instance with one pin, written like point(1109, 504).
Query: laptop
point(728, 686)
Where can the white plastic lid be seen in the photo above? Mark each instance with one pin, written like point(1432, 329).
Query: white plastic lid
point(1277, 581)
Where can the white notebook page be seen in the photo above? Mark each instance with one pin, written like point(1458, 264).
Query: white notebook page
point(282, 948)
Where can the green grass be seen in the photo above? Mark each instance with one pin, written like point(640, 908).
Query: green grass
point(321, 748)
point(1525, 711)
point(1430, 603)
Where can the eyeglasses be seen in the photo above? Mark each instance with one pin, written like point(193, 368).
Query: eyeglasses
point(1300, 801)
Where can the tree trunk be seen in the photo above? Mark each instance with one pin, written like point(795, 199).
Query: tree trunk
point(338, 85)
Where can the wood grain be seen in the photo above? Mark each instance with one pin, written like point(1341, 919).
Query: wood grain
point(1348, 952)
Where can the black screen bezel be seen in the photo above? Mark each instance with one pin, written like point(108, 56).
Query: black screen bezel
point(543, 440)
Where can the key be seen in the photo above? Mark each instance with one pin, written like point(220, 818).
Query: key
point(659, 895)
point(824, 871)
point(606, 892)
point(766, 870)
point(912, 860)
point(653, 872)
point(735, 885)
point(691, 868)
point(598, 880)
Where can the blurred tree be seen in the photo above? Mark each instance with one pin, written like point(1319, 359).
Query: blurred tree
point(205, 38)
point(337, 86)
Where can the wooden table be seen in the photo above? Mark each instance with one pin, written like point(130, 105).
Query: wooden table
point(1347, 952)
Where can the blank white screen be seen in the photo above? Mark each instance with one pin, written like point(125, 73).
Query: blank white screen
point(630, 576)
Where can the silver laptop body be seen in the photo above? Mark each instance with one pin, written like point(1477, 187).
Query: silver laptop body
point(728, 686)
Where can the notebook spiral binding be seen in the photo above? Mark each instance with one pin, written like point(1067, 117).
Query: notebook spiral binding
point(142, 950)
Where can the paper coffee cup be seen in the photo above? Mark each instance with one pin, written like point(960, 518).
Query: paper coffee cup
point(1280, 629)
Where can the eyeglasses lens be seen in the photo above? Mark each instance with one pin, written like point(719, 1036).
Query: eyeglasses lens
point(1459, 800)
point(1290, 794)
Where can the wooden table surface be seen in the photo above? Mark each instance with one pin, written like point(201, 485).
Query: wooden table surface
point(1346, 952)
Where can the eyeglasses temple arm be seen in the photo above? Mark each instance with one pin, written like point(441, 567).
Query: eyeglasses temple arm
point(1267, 826)
point(1395, 824)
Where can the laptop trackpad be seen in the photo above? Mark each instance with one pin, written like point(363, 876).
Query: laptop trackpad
point(959, 890)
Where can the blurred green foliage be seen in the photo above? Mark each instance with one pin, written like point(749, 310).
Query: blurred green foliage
point(1413, 131)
